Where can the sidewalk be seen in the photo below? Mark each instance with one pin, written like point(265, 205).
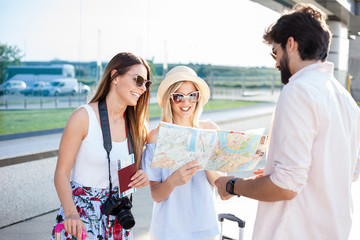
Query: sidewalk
point(39, 228)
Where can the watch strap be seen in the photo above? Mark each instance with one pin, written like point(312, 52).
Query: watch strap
point(231, 190)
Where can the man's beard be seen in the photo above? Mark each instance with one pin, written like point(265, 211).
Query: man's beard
point(284, 69)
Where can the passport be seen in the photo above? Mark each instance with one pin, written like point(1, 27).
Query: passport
point(126, 170)
point(125, 175)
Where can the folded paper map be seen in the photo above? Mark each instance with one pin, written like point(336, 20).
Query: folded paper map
point(217, 150)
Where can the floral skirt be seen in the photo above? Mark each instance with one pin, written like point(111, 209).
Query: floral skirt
point(88, 202)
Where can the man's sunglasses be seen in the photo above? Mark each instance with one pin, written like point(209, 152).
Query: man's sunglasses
point(139, 80)
point(273, 54)
point(192, 97)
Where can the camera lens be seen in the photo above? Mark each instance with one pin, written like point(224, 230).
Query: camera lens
point(126, 219)
point(124, 216)
point(119, 207)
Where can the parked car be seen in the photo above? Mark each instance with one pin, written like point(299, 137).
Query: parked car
point(63, 86)
point(36, 89)
point(12, 87)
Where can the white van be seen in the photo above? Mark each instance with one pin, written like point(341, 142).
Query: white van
point(12, 87)
point(63, 86)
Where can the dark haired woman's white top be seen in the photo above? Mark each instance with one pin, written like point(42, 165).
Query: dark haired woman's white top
point(91, 165)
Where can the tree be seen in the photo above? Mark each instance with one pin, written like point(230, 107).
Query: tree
point(9, 55)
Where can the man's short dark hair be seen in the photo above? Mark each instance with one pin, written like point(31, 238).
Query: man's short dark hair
point(307, 25)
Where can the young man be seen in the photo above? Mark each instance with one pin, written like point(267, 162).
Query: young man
point(314, 144)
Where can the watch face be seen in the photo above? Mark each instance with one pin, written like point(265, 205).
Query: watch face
point(228, 187)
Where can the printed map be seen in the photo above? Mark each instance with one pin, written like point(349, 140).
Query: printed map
point(225, 151)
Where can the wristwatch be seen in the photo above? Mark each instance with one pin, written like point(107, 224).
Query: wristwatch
point(230, 186)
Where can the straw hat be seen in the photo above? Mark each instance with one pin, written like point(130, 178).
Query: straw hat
point(183, 73)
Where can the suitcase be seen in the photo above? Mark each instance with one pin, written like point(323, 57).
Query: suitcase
point(232, 218)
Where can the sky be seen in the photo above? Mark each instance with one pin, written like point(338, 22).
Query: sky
point(226, 32)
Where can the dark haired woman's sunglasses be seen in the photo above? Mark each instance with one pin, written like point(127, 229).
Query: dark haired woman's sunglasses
point(139, 80)
point(192, 97)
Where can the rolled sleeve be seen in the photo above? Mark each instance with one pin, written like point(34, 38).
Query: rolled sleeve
point(357, 169)
point(154, 174)
point(293, 138)
point(357, 166)
point(289, 178)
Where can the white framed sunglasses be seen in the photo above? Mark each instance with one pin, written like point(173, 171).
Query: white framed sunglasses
point(191, 97)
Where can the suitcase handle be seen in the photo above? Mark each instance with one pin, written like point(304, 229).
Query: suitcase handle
point(60, 226)
point(232, 218)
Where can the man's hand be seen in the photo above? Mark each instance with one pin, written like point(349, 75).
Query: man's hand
point(221, 186)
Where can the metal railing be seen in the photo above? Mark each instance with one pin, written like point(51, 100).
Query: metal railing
point(8, 102)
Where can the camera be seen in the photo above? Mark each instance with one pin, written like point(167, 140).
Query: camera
point(120, 208)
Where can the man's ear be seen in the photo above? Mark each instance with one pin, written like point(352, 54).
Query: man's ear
point(291, 45)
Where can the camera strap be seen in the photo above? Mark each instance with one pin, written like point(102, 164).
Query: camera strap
point(105, 128)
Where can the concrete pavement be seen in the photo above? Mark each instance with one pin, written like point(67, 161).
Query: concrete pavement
point(39, 228)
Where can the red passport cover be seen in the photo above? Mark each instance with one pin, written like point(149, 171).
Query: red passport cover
point(125, 175)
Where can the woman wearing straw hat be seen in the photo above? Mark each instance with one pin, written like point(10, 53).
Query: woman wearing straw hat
point(184, 199)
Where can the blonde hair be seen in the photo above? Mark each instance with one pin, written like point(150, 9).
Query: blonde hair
point(136, 115)
point(167, 115)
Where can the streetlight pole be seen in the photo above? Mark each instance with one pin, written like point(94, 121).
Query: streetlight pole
point(99, 67)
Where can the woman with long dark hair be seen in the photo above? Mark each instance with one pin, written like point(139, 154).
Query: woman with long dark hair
point(82, 171)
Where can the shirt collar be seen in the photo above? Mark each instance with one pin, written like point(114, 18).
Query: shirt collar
point(325, 67)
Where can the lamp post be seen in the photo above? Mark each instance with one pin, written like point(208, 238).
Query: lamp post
point(165, 64)
point(99, 67)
